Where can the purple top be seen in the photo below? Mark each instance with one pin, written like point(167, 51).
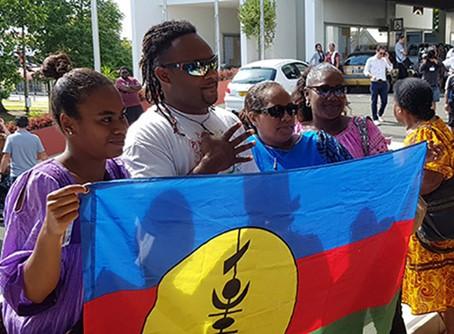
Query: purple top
point(350, 138)
point(63, 307)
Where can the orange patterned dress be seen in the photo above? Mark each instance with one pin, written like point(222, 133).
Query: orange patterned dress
point(428, 284)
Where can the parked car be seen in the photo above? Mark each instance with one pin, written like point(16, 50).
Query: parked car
point(354, 67)
point(284, 71)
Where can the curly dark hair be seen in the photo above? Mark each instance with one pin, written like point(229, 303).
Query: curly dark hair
point(56, 65)
point(415, 95)
point(255, 101)
point(72, 89)
point(304, 111)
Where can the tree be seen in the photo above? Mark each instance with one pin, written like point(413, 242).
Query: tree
point(67, 28)
point(250, 20)
point(16, 18)
point(9, 75)
point(53, 26)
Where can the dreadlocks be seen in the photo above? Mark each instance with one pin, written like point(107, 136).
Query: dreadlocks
point(157, 40)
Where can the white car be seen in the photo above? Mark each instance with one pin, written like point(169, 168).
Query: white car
point(284, 71)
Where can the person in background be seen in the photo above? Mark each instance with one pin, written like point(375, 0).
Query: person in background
point(56, 65)
point(269, 111)
point(401, 57)
point(4, 182)
point(129, 88)
point(429, 276)
point(319, 56)
point(333, 56)
point(183, 133)
point(450, 53)
point(376, 69)
point(431, 70)
point(41, 261)
point(449, 100)
point(304, 113)
point(22, 150)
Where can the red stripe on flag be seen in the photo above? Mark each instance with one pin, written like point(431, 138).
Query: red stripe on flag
point(331, 285)
point(119, 312)
point(348, 279)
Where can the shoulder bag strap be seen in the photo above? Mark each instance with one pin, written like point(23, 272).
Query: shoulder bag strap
point(361, 124)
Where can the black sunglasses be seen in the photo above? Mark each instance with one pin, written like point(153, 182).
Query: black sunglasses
point(325, 90)
point(279, 111)
point(197, 68)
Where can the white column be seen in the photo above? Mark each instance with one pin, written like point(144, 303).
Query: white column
point(144, 14)
point(244, 44)
point(262, 29)
point(218, 32)
point(95, 33)
point(310, 27)
point(314, 26)
point(164, 10)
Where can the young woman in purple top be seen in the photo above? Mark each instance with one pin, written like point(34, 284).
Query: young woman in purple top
point(40, 266)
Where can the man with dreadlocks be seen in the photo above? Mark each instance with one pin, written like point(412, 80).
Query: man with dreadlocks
point(183, 133)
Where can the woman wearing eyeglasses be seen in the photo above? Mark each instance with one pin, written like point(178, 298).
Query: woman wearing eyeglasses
point(325, 93)
point(268, 110)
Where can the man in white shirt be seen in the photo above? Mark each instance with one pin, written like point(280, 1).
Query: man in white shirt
point(183, 133)
point(449, 61)
point(376, 68)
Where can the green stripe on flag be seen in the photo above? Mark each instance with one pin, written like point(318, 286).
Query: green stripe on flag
point(379, 318)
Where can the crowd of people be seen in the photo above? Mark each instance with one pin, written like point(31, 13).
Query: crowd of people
point(184, 134)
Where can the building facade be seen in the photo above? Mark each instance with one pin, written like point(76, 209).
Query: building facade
point(352, 25)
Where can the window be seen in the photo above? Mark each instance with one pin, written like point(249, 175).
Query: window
point(358, 59)
point(301, 67)
point(253, 75)
point(291, 71)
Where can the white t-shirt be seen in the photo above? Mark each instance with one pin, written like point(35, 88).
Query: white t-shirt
point(449, 63)
point(450, 53)
point(377, 68)
point(152, 149)
point(448, 81)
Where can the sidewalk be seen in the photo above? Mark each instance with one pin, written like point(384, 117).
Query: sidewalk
point(360, 106)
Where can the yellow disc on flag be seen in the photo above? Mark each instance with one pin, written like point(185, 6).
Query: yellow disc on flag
point(242, 281)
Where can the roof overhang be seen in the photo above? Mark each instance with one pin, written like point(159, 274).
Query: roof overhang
point(447, 5)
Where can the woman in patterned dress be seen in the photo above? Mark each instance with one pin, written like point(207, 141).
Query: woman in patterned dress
point(429, 277)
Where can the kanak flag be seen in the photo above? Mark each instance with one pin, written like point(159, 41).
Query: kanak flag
point(314, 250)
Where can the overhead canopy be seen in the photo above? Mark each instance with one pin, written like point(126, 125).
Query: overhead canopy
point(447, 5)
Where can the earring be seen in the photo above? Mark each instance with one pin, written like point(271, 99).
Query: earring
point(69, 131)
point(308, 103)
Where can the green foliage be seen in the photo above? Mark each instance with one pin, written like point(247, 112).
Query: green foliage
point(9, 75)
point(58, 25)
point(67, 28)
point(109, 72)
point(15, 15)
point(250, 19)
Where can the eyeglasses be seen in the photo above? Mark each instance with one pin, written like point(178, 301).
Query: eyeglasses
point(197, 68)
point(324, 91)
point(279, 111)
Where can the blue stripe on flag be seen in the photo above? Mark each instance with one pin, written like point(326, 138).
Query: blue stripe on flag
point(155, 223)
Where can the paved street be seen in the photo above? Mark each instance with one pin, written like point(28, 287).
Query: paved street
point(360, 105)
